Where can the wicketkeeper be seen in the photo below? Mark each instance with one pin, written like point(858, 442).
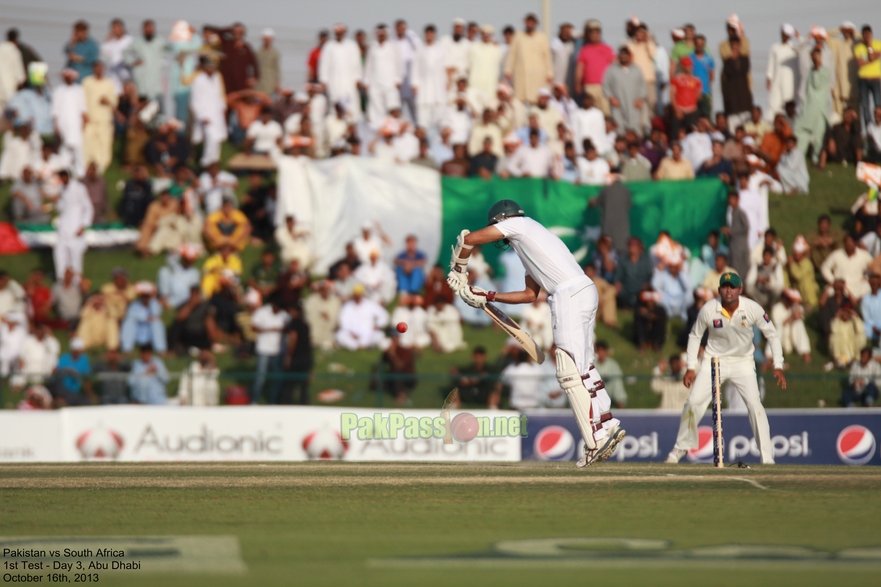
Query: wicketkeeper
point(729, 320)
point(573, 300)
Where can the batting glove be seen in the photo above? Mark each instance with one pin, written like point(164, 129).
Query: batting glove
point(457, 279)
point(476, 297)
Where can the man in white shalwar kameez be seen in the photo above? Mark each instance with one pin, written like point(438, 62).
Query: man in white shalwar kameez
point(383, 74)
point(208, 105)
point(410, 312)
point(69, 114)
point(408, 44)
point(783, 72)
point(113, 54)
point(378, 278)
point(429, 81)
point(484, 66)
point(293, 194)
point(445, 326)
point(12, 73)
point(457, 46)
point(340, 70)
point(75, 215)
point(362, 322)
point(589, 122)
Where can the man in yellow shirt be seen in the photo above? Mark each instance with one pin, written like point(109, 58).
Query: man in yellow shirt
point(227, 226)
point(215, 265)
point(868, 54)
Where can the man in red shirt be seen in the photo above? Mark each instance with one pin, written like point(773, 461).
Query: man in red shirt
point(685, 91)
point(314, 56)
point(590, 67)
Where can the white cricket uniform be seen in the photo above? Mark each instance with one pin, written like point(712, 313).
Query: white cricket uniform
point(730, 340)
point(572, 297)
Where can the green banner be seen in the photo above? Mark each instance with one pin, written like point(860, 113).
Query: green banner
point(688, 210)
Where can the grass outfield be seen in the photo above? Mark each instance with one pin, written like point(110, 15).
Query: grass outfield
point(472, 524)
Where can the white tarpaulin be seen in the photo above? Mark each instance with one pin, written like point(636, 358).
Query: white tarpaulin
point(334, 197)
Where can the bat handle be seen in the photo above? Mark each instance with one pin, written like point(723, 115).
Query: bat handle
point(448, 437)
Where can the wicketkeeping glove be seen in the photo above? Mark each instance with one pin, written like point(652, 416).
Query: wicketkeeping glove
point(476, 297)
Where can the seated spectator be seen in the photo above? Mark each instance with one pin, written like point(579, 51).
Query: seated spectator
point(38, 358)
point(486, 129)
point(143, 321)
point(592, 169)
point(293, 244)
point(436, 285)
point(290, 284)
point(632, 273)
point(484, 163)
point(410, 312)
point(864, 380)
point(764, 282)
point(870, 310)
point(701, 296)
point(321, 310)
point(847, 336)
point(72, 385)
point(607, 309)
point(773, 144)
point(717, 165)
point(711, 248)
point(378, 278)
point(669, 384)
point(39, 297)
point(214, 184)
point(720, 266)
point(635, 167)
point(67, 297)
point(136, 197)
point(477, 382)
point(674, 167)
point(824, 241)
point(792, 170)
point(12, 295)
point(263, 134)
point(697, 146)
point(98, 325)
point(843, 141)
point(613, 376)
point(13, 331)
point(351, 259)
point(788, 317)
point(398, 361)
point(649, 321)
point(21, 146)
point(604, 258)
point(112, 375)
point(118, 293)
point(532, 159)
point(27, 199)
point(36, 397)
point(190, 327)
point(674, 289)
point(345, 282)
point(873, 138)
point(525, 379)
point(770, 241)
point(168, 149)
point(459, 165)
point(425, 159)
point(97, 188)
point(831, 300)
point(537, 321)
point(410, 267)
point(227, 226)
point(178, 276)
point(223, 260)
point(153, 241)
point(148, 379)
point(655, 148)
point(757, 127)
point(256, 205)
point(268, 323)
point(445, 326)
point(372, 238)
point(224, 321)
point(848, 263)
point(199, 385)
point(362, 322)
point(264, 276)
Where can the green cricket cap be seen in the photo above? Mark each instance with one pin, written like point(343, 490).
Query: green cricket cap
point(730, 278)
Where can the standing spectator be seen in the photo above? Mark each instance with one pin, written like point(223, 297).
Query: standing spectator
point(669, 385)
point(269, 66)
point(142, 324)
point(311, 63)
point(704, 70)
point(624, 88)
point(70, 117)
point(362, 322)
point(96, 186)
point(239, 66)
point(562, 49)
point(82, 50)
point(298, 359)
point(736, 86)
point(101, 99)
point(801, 273)
point(685, 91)
point(812, 124)
point(528, 63)
point(484, 65)
point(268, 323)
point(868, 54)
point(870, 309)
point(113, 54)
point(410, 267)
point(843, 142)
point(198, 384)
point(649, 321)
point(643, 50)
point(865, 378)
point(146, 57)
point(429, 80)
point(12, 71)
point(783, 70)
point(612, 375)
point(75, 215)
point(615, 202)
point(591, 63)
point(846, 90)
point(383, 76)
point(340, 71)
point(456, 46)
point(321, 310)
point(148, 378)
point(738, 232)
point(632, 272)
point(408, 44)
point(734, 30)
point(208, 105)
point(185, 44)
point(788, 317)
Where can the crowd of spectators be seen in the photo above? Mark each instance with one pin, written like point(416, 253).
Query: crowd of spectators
point(470, 103)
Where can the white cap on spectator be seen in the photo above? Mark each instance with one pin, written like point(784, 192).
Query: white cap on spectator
point(77, 344)
point(268, 33)
point(678, 33)
point(366, 225)
point(749, 141)
point(848, 25)
point(253, 298)
point(459, 20)
point(544, 92)
point(788, 30)
point(144, 288)
point(301, 97)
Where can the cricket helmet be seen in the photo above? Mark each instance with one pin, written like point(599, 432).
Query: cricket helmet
point(503, 209)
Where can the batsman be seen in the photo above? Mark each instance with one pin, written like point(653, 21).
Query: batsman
point(729, 320)
point(573, 300)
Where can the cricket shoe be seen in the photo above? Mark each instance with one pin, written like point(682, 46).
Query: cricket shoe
point(675, 456)
point(613, 437)
point(589, 458)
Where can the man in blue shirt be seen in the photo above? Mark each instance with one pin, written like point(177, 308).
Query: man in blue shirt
point(33, 105)
point(148, 378)
point(72, 370)
point(704, 68)
point(82, 50)
point(870, 308)
point(178, 277)
point(142, 324)
point(410, 268)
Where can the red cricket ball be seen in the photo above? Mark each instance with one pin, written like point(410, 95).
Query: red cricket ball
point(402, 327)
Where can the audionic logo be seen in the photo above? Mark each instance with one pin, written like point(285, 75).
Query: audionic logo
point(100, 443)
point(855, 445)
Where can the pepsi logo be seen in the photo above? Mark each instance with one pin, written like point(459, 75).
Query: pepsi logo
point(704, 451)
point(325, 444)
point(855, 445)
point(100, 443)
point(554, 443)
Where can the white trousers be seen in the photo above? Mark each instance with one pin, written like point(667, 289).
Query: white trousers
point(380, 100)
point(376, 339)
point(68, 252)
point(75, 151)
point(741, 372)
point(429, 115)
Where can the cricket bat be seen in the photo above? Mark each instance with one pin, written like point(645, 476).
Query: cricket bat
point(512, 328)
point(445, 413)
